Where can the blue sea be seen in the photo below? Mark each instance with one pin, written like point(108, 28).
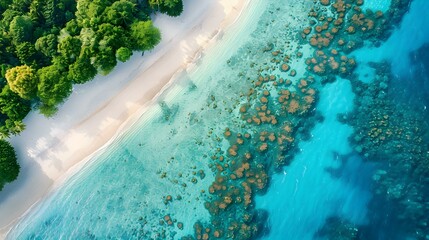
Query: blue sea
point(153, 181)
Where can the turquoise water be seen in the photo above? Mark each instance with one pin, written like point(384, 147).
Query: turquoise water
point(307, 192)
point(382, 5)
point(410, 36)
point(126, 185)
point(161, 166)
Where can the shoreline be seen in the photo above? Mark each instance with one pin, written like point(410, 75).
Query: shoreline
point(49, 156)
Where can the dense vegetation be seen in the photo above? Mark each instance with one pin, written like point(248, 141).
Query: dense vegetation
point(46, 46)
point(9, 167)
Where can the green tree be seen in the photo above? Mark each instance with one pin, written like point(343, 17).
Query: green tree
point(54, 86)
point(9, 168)
point(4, 5)
point(111, 36)
point(35, 10)
point(4, 133)
point(21, 29)
point(123, 54)
point(105, 60)
point(171, 7)
point(51, 12)
point(47, 45)
point(89, 11)
point(70, 47)
point(144, 35)
point(21, 5)
point(82, 70)
point(22, 80)
point(120, 13)
point(13, 106)
point(14, 126)
point(88, 38)
point(72, 27)
point(8, 16)
point(26, 53)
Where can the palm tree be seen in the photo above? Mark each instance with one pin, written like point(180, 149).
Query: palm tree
point(4, 133)
point(18, 127)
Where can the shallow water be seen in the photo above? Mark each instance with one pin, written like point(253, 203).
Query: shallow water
point(122, 193)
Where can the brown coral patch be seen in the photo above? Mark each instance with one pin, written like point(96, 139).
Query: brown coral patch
point(293, 106)
point(263, 147)
point(285, 67)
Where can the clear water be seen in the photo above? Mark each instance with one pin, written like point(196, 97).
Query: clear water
point(410, 36)
point(306, 191)
point(382, 5)
point(121, 193)
point(125, 182)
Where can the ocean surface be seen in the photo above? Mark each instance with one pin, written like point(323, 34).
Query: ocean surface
point(153, 181)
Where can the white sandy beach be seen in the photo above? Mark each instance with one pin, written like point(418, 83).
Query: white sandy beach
point(50, 150)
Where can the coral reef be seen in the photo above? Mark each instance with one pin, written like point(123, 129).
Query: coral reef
point(393, 135)
point(278, 110)
point(337, 229)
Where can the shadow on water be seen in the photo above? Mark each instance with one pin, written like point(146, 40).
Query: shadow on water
point(352, 170)
point(357, 173)
point(413, 89)
point(168, 112)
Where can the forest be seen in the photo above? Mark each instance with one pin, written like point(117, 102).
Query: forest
point(46, 46)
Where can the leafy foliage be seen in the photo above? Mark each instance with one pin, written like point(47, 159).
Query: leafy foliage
point(20, 29)
point(145, 35)
point(171, 7)
point(123, 54)
point(9, 168)
point(47, 45)
point(54, 86)
point(82, 70)
point(12, 110)
point(22, 80)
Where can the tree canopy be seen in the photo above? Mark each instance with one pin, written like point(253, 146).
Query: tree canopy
point(22, 80)
point(54, 86)
point(123, 54)
point(9, 168)
point(145, 35)
point(20, 29)
point(171, 7)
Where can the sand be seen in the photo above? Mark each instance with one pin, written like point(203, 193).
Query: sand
point(51, 150)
